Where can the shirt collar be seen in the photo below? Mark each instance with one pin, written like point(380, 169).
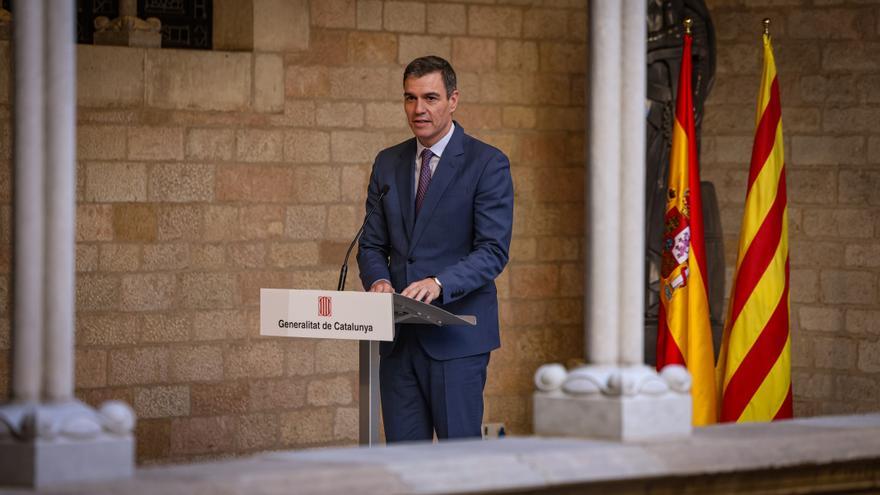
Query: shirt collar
point(439, 146)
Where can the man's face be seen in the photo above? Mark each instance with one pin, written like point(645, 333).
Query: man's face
point(428, 107)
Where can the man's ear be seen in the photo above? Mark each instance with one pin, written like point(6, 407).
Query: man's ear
point(453, 100)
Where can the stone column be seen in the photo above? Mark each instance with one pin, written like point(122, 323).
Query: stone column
point(632, 183)
point(60, 203)
point(27, 294)
point(603, 210)
point(615, 396)
point(46, 436)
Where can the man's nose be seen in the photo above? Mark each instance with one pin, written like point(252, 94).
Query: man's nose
point(420, 106)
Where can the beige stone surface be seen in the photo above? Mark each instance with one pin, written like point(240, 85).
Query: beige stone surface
point(210, 144)
point(361, 83)
point(446, 18)
point(345, 425)
point(333, 13)
point(179, 222)
point(414, 46)
point(202, 435)
point(143, 365)
point(477, 54)
point(185, 79)
point(94, 222)
point(196, 363)
point(307, 146)
point(258, 145)
point(206, 290)
point(504, 22)
point(91, 368)
point(276, 394)
point(233, 25)
point(355, 146)
point(155, 143)
point(306, 81)
point(164, 327)
point(336, 356)
point(340, 115)
point(280, 25)
point(372, 48)
point(210, 399)
point(262, 222)
point(162, 257)
point(335, 391)
point(369, 15)
point(134, 222)
point(545, 23)
point(119, 257)
point(262, 359)
point(384, 115)
point(269, 81)
point(100, 330)
point(406, 17)
point(306, 427)
point(257, 432)
point(100, 142)
point(161, 401)
point(115, 182)
point(181, 182)
point(110, 76)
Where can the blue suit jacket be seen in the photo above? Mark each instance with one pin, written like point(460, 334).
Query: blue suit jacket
point(461, 236)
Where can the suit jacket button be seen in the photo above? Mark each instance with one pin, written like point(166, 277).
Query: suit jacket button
point(410, 260)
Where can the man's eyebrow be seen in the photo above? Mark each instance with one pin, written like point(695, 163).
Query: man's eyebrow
point(432, 93)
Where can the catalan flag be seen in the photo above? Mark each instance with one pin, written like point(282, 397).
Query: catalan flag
point(754, 366)
point(684, 334)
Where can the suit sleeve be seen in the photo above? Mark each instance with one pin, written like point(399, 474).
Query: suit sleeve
point(374, 244)
point(493, 226)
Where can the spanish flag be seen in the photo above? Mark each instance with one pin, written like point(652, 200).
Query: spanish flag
point(754, 366)
point(684, 334)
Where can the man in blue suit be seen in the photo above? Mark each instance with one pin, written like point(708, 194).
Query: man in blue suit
point(440, 235)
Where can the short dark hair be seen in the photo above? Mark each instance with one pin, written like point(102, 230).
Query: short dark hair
point(426, 65)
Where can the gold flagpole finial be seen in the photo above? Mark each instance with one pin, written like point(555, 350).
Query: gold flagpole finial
point(688, 22)
point(766, 23)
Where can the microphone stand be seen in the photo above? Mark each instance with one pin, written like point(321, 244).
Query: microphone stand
point(343, 272)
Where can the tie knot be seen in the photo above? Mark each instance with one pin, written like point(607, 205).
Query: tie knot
point(426, 155)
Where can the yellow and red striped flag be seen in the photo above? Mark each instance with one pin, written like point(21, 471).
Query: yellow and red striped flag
point(684, 334)
point(754, 366)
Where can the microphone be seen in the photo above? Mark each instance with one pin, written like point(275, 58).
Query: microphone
point(343, 272)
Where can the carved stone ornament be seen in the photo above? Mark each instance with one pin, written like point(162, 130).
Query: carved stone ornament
point(629, 381)
point(128, 30)
point(70, 421)
point(126, 23)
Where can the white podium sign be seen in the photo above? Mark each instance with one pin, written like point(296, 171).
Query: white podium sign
point(365, 316)
point(324, 314)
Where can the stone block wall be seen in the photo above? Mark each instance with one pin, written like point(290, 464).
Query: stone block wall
point(204, 176)
point(829, 75)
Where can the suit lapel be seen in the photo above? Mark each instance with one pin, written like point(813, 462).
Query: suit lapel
point(404, 178)
point(446, 170)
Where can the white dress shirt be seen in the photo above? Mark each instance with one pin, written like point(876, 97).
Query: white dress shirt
point(437, 150)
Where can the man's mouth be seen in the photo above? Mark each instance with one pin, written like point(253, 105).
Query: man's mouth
point(421, 121)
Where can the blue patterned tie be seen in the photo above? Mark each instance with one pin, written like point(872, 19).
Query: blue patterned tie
point(424, 178)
